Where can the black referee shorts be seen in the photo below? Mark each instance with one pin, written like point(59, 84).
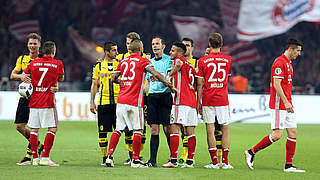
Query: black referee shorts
point(159, 108)
point(23, 111)
point(107, 117)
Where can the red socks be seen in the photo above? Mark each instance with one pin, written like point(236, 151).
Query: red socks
point(191, 146)
point(174, 145)
point(48, 142)
point(213, 155)
point(114, 142)
point(290, 149)
point(265, 142)
point(34, 144)
point(136, 145)
point(225, 153)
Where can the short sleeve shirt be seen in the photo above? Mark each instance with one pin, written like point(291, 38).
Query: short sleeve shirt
point(44, 74)
point(215, 69)
point(132, 73)
point(281, 68)
point(185, 83)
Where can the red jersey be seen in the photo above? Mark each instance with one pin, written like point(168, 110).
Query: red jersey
point(215, 69)
point(44, 74)
point(132, 70)
point(281, 68)
point(184, 82)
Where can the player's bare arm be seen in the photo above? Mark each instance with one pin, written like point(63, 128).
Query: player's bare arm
point(146, 86)
point(94, 87)
point(175, 69)
point(279, 90)
point(161, 78)
point(115, 79)
point(54, 89)
point(61, 78)
point(15, 75)
point(200, 82)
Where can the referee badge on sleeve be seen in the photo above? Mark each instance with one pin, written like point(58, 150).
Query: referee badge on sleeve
point(277, 71)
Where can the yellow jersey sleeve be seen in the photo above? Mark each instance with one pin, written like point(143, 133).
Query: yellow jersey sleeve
point(18, 66)
point(96, 71)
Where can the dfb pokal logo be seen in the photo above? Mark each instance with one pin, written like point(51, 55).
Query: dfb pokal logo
point(287, 11)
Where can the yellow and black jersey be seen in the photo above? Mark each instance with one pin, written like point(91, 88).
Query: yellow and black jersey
point(194, 62)
point(122, 56)
point(108, 91)
point(23, 62)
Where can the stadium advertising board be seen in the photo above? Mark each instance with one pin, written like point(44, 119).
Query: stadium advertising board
point(246, 108)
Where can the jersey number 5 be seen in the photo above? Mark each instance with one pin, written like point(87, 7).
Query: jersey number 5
point(44, 72)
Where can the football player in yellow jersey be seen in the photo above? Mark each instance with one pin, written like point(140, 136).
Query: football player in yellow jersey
point(23, 110)
point(108, 95)
point(129, 134)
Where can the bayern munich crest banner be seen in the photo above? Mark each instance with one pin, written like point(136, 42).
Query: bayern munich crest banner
point(261, 19)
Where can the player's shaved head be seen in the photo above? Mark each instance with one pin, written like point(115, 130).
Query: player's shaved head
point(136, 45)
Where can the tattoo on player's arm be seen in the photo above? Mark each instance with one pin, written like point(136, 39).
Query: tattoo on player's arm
point(157, 75)
point(114, 78)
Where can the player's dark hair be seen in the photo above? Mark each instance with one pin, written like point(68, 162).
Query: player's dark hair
point(48, 48)
point(188, 39)
point(161, 39)
point(292, 42)
point(135, 45)
point(107, 45)
point(133, 35)
point(34, 36)
point(215, 40)
point(180, 46)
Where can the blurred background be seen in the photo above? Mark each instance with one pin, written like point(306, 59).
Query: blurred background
point(254, 34)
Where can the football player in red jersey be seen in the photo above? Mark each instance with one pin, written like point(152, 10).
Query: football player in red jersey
point(282, 111)
point(183, 112)
point(129, 109)
point(45, 73)
point(212, 100)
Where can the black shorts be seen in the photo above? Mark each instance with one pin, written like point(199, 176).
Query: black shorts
point(159, 108)
point(107, 117)
point(145, 108)
point(23, 111)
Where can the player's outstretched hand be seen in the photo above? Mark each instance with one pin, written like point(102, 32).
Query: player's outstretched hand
point(26, 78)
point(54, 89)
point(93, 108)
point(289, 107)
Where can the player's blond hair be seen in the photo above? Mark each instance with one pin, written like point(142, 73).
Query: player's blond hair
point(133, 35)
point(34, 36)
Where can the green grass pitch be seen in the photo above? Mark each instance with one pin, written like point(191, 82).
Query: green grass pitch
point(76, 149)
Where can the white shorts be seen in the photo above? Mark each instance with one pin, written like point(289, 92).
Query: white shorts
point(221, 112)
point(185, 115)
point(129, 116)
point(281, 119)
point(43, 118)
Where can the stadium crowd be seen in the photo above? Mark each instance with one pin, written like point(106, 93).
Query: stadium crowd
point(153, 18)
